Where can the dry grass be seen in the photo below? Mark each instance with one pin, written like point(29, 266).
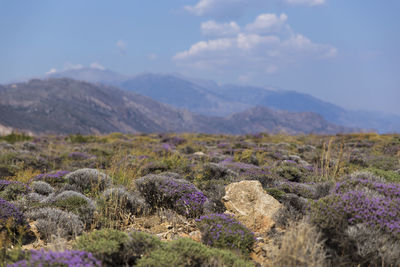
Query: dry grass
point(328, 171)
point(300, 246)
point(24, 175)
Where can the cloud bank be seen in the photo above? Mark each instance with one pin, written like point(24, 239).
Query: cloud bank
point(261, 47)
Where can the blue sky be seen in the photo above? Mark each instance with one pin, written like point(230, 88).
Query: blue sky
point(342, 51)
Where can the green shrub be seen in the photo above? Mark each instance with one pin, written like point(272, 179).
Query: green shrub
point(275, 193)
point(15, 137)
point(186, 252)
point(116, 248)
point(106, 245)
point(78, 138)
point(14, 190)
point(290, 173)
point(139, 244)
point(390, 176)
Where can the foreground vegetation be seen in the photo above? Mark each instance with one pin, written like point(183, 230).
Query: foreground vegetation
point(156, 200)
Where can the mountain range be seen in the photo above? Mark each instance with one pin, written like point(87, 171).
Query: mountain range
point(64, 106)
point(209, 98)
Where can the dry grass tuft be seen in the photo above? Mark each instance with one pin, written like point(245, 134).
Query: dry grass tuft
point(300, 246)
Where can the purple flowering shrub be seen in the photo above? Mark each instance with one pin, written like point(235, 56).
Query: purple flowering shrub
point(11, 190)
point(13, 226)
point(9, 212)
point(223, 231)
point(360, 202)
point(52, 258)
point(176, 194)
point(53, 178)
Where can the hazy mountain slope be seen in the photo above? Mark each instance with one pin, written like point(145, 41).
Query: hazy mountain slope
point(181, 93)
point(68, 106)
point(209, 98)
point(263, 119)
point(299, 102)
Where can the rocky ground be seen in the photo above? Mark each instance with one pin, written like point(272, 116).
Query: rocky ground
point(200, 200)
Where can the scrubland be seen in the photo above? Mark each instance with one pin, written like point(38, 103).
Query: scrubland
point(158, 200)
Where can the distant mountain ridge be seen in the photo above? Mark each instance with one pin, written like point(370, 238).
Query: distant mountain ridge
point(209, 98)
point(65, 106)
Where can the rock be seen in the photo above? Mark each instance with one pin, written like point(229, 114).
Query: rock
point(195, 235)
point(251, 205)
point(199, 154)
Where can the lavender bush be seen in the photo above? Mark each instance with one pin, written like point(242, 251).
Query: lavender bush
point(9, 212)
point(357, 206)
point(12, 190)
point(223, 231)
point(87, 180)
point(51, 221)
point(53, 178)
point(42, 188)
point(68, 258)
point(177, 194)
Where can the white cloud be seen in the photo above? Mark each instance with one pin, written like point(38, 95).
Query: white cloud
point(267, 23)
point(121, 45)
point(212, 28)
point(51, 71)
point(265, 46)
point(96, 65)
point(235, 8)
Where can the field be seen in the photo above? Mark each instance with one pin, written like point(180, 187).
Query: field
point(200, 200)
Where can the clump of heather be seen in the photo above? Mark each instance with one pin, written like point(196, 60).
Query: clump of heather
point(6, 183)
point(176, 194)
point(11, 190)
point(185, 198)
point(360, 202)
point(9, 212)
point(390, 190)
point(353, 207)
point(223, 231)
point(53, 258)
point(52, 178)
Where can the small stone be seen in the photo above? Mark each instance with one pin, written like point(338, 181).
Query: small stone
point(199, 154)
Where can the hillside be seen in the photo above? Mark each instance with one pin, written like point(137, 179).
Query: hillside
point(208, 98)
point(67, 106)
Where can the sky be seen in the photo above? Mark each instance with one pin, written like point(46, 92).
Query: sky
point(342, 51)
